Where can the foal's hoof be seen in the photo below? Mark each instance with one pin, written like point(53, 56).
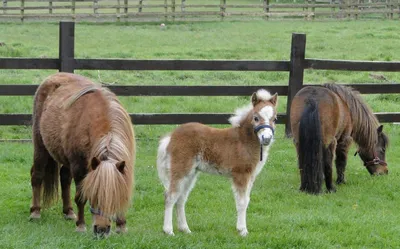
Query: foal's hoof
point(35, 215)
point(243, 232)
point(185, 230)
point(121, 229)
point(70, 216)
point(81, 229)
point(169, 232)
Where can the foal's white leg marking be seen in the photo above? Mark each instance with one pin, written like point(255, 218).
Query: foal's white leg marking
point(242, 199)
point(188, 185)
point(242, 196)
point(163, 167)
point(170, 200)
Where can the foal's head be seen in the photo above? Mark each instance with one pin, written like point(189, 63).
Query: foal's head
point(264, 115)
point(374, 160)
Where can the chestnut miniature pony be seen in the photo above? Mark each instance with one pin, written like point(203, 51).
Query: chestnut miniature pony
point(238, 152)
point(325, 120)
point(80, 130)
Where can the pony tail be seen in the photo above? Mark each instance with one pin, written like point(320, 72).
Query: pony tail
point(43, 160)
point(310, 149)
point(50, 182)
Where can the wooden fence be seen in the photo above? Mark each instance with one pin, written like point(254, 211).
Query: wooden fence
point(171, 10)
point(296, 66)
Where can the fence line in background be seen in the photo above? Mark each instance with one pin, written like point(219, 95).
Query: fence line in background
point(295, 66)
point(171, 10)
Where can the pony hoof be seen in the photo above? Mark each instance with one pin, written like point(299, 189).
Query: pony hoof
point(70, 216)
point(185, 230)
point(34, 216)
point(81, 229)
point(121, 229)
point(332, 190)
point(243, 232)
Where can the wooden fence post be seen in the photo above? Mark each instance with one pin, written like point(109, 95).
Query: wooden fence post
point(95, 7)
point(166, 10)
point(173, 10)
point(50, 7)
point(67, 47)
point(126, 9)
point(22, 10)
point(5, 6)
point(297, 59)
point(73, 9)
point(222, 9)
point(266, 9)
point(183, 5)
point(140, 6)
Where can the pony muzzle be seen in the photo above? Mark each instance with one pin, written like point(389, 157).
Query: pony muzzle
point(265, 134)
point(101, 231)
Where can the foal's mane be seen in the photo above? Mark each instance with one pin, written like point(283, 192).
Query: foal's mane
point(106, 187)
point(242, 112)
point(365, 123)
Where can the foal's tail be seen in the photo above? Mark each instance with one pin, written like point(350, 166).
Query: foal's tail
point(43, 162)
point(164, 161)
point(310, 149)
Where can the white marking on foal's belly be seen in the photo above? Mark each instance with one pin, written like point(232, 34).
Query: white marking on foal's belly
point(201, 165)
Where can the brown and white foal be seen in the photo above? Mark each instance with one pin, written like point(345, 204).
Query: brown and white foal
point(238, 152)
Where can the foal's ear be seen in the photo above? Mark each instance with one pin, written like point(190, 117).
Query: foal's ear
point(274, 99)
point(121, 166)
point(380, 129)
point(254, 99)
point(94, 163)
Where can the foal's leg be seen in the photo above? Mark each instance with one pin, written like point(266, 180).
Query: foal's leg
point(66, 179)
point(342, 150)
point(328, 158)
point(171, 197)
point(187, 186)
point(241, 185)
point(41, 161)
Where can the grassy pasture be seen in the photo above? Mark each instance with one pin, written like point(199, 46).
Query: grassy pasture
point(362, 214)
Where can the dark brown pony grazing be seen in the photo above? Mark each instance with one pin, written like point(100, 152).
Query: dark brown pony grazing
point(80, 130)
point(325, 120)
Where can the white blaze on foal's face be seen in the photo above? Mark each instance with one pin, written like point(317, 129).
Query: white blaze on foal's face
point(266, 116)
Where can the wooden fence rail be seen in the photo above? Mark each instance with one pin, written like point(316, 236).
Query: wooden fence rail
point(171, 10)
point(295, 66)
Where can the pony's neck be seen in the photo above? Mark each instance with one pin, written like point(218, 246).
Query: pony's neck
point(246, 132)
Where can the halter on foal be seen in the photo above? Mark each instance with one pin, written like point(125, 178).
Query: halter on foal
point(325, 120)
point(238, 152)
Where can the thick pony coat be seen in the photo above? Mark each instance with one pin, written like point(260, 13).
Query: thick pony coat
point(81, 131)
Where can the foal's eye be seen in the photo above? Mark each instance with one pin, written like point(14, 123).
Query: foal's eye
point(276, 119)
point(256, 119)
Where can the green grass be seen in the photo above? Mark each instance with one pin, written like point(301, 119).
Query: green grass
point(362, 214)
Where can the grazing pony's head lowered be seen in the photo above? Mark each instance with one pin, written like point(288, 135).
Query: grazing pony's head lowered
point(108, 184)
point(261, 114)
